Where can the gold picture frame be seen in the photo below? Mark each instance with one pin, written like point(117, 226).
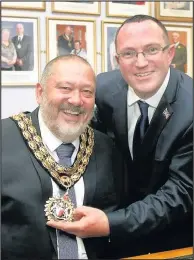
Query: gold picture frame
point(127, 8)
point(174, 11)
point(184, 46)
point(109, 29)
point(83, 30)
point(77, 7)
point(28, 74)
point(32, 6)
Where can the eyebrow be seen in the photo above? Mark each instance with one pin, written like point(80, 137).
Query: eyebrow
point(72, 84)
point(147, 45)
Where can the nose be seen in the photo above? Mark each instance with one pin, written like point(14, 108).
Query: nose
point(75, 98)
point(141, 61)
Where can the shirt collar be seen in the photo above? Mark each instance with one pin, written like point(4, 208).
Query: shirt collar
point(176, 44)
point(152, 101)
point(49, 139)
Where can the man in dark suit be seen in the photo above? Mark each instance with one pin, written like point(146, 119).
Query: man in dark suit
point(65, 42)
point(146, 107)
point(24, 48)
point(32, 171)
point(180, 58)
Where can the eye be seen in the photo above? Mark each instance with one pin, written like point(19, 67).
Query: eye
point(152, 50)
point(87, 92)
point(129, 54)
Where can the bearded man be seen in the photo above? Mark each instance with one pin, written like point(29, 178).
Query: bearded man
point(53, 159)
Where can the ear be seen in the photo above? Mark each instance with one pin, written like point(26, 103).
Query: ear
point(39, 91)
point(117, 59)
point(171, 53)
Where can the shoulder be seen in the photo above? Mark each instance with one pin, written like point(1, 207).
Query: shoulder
point(14, 38)
point(8, 127)
point(8, 124)
point(183, 104)
point(110, 76)
point(181, 45)
point(108, 81)
point(103, 142)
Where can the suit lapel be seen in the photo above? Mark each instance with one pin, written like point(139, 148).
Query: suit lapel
point(45, 179)
point(157, 124)
point(120, 116)
point(90, 180)
point(161, 116)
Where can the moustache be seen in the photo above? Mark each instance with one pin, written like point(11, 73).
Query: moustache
point(72, 108)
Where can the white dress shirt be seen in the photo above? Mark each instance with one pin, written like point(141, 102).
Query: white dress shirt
point(133, 110)
point(51, 142)
point(20, 37)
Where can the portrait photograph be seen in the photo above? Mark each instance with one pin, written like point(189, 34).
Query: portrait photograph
point(77, 7)
point(181, 37)
point(19, 50)
point(32, 6)
point(71, 37)
point(109, 29)
point(174, 11)
point(127, 8)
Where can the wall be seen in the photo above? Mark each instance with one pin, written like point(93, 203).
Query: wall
point(16, 99)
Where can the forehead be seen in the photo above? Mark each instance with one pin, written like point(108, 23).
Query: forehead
point(144, 32)
point(73, 71)
point(19, 26)
point(5, 32)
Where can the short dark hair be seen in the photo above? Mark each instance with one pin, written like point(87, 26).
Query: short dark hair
point(49, 66)
point(141, 18)
point(77, 41)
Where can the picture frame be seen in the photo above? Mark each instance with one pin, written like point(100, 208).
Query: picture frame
point(109, 29)
point(127, 8)
point(184, 50)
point(26, 70)
point(32, 6)
point(77, 7)
point(174, 11)
point(82, 30)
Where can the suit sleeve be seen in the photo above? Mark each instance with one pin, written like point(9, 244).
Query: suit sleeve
point(29, 57)
point(172, 202)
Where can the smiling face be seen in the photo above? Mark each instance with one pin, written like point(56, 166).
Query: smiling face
point(175, 37)
point(67, 100)
point(144, 74)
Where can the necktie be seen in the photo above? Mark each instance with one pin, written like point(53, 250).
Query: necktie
point(67, 243)
point(140, 129)
point(19, 39)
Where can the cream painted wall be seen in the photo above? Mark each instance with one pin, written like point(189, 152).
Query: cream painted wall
point(16, 99)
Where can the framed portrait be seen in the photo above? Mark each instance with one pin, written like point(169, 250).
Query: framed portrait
point(174, 11)
point(20, 54)
point(109, 29)
point(182, 37)
point(71, 36)
point(32, 6)
point(77, 7)
point(127, 8)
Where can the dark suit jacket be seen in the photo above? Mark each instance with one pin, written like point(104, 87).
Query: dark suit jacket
point(180, 58)
point(25, 53)
point(26, 186)
point(158, 212)
point(64, 46)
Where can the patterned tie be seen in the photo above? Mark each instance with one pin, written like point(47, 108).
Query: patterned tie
point(67, 243)
point(140, 129)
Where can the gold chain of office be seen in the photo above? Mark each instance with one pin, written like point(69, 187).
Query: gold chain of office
point(66, 176)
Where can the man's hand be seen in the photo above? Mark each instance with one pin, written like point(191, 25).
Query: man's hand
point(89, 222)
